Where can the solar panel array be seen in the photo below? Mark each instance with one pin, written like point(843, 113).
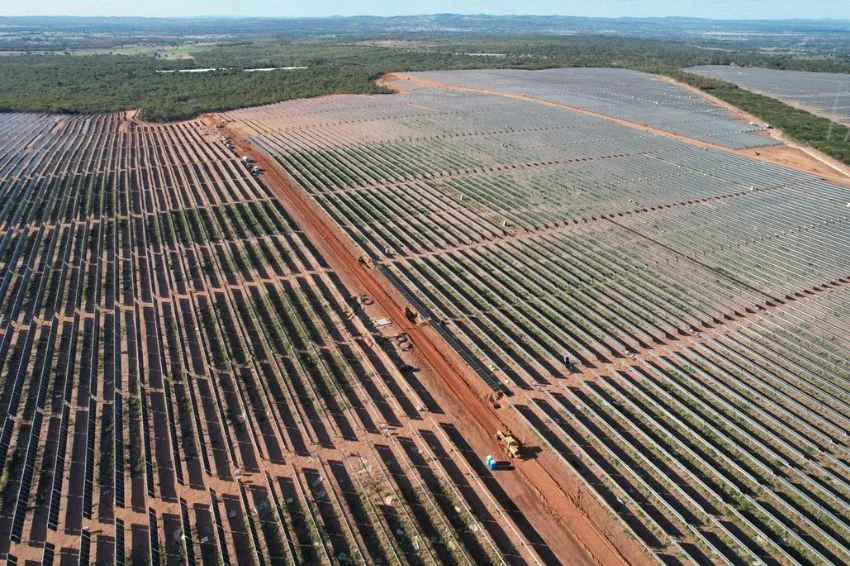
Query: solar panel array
point(630, 95)
point(670, 320)
point(828, 93)
point(183, 377)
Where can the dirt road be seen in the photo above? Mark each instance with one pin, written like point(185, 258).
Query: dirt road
point(572, 536)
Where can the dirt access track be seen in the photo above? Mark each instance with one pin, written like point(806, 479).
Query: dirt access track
point(570, 520)
point(788, 154)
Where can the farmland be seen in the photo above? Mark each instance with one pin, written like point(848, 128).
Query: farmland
point(665, 315)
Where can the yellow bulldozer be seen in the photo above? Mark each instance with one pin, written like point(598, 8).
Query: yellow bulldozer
point(511, 445)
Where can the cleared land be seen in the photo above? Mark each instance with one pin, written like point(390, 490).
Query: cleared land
point(823, 94)
point(667, 315)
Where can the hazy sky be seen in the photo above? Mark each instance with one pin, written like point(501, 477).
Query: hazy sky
point(744, 9)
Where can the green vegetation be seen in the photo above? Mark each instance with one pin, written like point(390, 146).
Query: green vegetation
point(819, 133)
point(99, 83)
point(128, 79)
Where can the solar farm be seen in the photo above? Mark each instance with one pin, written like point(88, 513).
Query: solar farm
point(825, 93)
point(289, 334)
point(187, 381)
point(621, 93)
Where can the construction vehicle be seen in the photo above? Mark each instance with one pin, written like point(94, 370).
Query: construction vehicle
point(411, 314)
point(510, 443)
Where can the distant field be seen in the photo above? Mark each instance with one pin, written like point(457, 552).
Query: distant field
point(160, 52)
point(824, 93)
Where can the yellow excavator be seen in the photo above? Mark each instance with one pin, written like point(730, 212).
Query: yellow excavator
point(511, 445)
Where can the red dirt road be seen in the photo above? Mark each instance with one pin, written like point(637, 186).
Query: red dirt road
point(576, 534)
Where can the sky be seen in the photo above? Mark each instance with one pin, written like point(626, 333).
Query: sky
point(721, 9)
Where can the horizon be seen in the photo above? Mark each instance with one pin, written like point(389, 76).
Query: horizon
point(421, 15)
point(754, 10)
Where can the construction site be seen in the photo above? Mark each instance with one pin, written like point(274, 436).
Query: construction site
point(575, 316)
